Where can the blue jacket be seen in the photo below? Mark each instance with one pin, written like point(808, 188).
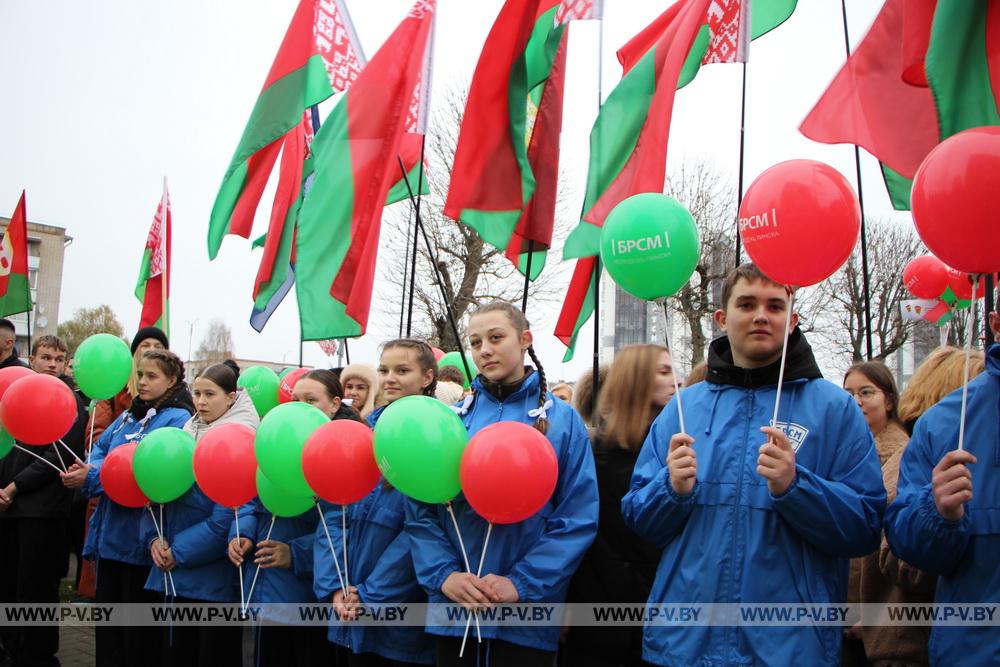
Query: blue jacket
point(731, 541)
point(277, 584)
point(540, 554)
point(196, 529)
point(963, 553)
point(381, 568)
point(114, 531)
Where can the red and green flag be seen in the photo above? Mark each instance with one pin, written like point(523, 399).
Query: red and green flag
point(153, 287)
point(506, 161)
point(628, 143)
point(15, 289)
point(579, 303)
point(315, 58)
point(924, 72)
point(356, 162)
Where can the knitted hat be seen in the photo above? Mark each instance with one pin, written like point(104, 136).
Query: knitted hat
point(149, 332)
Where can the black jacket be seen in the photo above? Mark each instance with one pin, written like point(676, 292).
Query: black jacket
point(13, 360)
point(618, 567)
point(40, 492)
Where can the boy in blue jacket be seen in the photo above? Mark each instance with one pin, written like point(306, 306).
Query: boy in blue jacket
point(946, 518)
point(748, 513)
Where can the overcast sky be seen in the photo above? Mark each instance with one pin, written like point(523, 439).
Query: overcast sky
point(104, 98)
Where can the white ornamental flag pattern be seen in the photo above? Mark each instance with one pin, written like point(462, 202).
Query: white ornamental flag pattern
point(337, 43)
point(579, 10)
point(155, 239)
point(729, 24)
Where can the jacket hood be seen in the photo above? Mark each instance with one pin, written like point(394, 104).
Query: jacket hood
point(799, 365)
point(241, 412)
point(179, 397)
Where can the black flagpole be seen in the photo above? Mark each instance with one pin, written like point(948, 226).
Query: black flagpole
point(596, 368)
point(861, 202)
point(406, 262)
point(416, 209)
point(739, 190)
point(437, 273)
point(527, 278)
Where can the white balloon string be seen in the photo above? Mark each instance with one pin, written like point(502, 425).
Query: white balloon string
point(253, 582)
point(479, 572)
point(43, 460)
point(970, 334)
point(333, 552)
point(784, 353)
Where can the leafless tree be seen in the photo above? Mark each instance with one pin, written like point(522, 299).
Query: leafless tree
point(890, 247)
point(217, 345)
point(472, 272)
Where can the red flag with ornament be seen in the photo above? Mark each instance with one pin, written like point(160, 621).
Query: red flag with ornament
point(153, 286)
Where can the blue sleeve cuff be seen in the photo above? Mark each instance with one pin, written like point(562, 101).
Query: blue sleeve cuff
point(686, 499)
point(791, 487)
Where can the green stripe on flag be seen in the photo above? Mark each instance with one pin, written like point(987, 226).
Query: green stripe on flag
point(278, 109)
point(18, 296)
point(612, 142)
point(898, 186)
point(957, 69)
point(324, 232)
point(766, 15)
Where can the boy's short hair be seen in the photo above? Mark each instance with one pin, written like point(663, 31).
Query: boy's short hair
point(747, 271)
point(55, 342)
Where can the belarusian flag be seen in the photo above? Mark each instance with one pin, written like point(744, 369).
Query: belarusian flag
point(628, 143)
point(494, 172)
point(356, 162)
point(153, 287)
point(579, 304)
point(15, 290)
point(880, 99)
point(276, 272)
point(315, 57)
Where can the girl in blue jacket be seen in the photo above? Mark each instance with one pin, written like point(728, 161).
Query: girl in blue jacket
point(194, 534)
point(284, 551)
point(531, 561)
point(379, 552)
point(113, 539)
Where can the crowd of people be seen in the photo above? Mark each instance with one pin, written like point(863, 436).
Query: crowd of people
point(851, 492)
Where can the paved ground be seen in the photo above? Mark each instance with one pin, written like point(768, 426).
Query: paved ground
point(76, 646)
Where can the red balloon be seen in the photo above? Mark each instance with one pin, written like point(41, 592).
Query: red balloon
point(38, 409)
point(799, 222)
point(288, 384)
point(225, 466)
point(955, 199)
point(961, 284)
point(926, 277)
point(118, 479)
point(508, 472)
point(438, 353)
point(10, 375)
point(338, 462)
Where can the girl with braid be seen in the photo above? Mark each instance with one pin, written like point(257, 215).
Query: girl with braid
point(531, 561)
point(113, 540)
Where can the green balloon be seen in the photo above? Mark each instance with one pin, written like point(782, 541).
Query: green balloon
point(649, 245)
point(277, 501)
point(279, 442)
point(455, 359)
point(418, 447)
point(262, 386)
point(162, 464)
point(102, 366)
point(6, 442)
